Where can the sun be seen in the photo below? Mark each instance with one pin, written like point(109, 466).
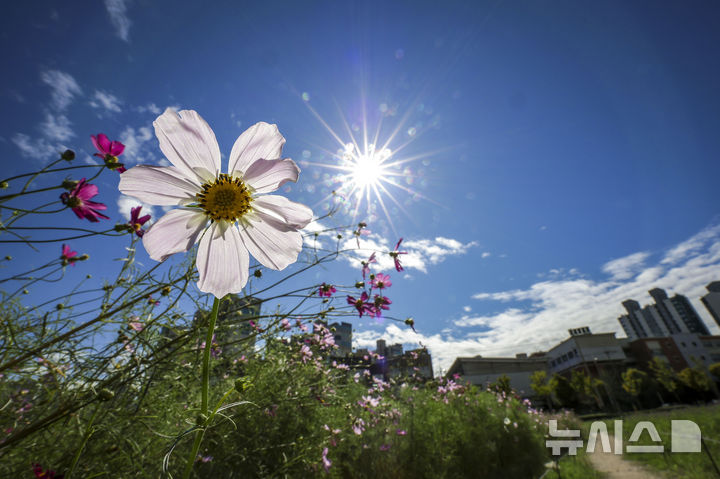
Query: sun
point(369, 171)
point(367, 168)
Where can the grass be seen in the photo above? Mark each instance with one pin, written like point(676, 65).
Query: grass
point(676, 465)
point(575, 467)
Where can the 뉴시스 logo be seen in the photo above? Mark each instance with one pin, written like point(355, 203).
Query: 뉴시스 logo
point(685, 436)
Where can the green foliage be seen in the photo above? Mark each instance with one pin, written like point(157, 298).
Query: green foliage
point(633, 381)
point(695, 379)
point(664, 374)
point(715, 370)
point(502, 385)
point(562, 390)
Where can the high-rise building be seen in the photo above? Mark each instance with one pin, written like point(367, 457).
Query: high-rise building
point(342, 332)
point(232, 330)
point(668, 316)
point(688, 315)
point(712, 300)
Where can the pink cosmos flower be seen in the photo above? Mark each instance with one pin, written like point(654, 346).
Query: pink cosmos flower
point(401, 432)
point(229, 214)
point(108, 151)
point(136, 221)
point(385, 447)
point(394, 255)
point(326, 462)
point(285, 324)
point(381, 281)
point(68, 256)
point(135, 324)
point(305, 353)
point(79, 200)
point(361, 304)
point(326, 290)
point(366, 265)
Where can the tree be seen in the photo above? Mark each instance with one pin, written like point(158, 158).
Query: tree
point(585, 387)
point(562, 390)
point(665, 376)
point(715, 370)
point(634, 382)
point(541, 386)
point(695, 379)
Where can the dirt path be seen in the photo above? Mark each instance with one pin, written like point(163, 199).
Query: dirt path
point(615, 467)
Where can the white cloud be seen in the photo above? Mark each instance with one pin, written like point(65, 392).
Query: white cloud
point(420, 253)
point(485, 254)
point(106, 101)
point(149, 108)
point(538, 317)
point(627, 266)
point(467, 309)
point(691, 246)
point(37, 148)
point(125, 203)
point(56, 126)
point(139, 145)
point(64, 88)
point(117, 10)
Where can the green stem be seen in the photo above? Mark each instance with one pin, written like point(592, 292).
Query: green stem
point(88, 432)
point(205, 389)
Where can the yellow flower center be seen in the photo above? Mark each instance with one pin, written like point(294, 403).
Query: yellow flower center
point(226, 198)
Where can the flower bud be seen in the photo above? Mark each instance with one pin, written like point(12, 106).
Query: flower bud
point(165, 291)
point(88, 276)
point(83, 257)
point(120, 227)
point(410, 322)
point(25, 291)
point(8, 258)
point(105, 394)
point(69, 184)
point(59, 306)
point(257, 273)
point(339, 236)
point(360, 284)
point(4, 185)
point(68, 155)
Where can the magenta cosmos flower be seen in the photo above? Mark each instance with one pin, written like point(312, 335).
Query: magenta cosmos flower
point(79, 200)
point(68, 256)
point(136, 221)
point(361, 304)
point(228, 214)
point(326, 290)
point(395, 256)
point(109, 151)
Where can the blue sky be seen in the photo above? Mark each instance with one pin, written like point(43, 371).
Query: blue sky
point(560, 156)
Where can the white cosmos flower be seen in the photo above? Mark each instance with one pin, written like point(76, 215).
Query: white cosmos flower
point(227, 213)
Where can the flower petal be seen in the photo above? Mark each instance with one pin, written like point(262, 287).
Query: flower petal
point(266, 176)
point(271, 242)
point(158, 185)
point(260, 141)
point(174, 233)
point(116, 148)
point(189, 143)
point(293, 214)
point(222, 261)
point(102, 143)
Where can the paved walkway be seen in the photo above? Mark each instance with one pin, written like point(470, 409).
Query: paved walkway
point(615, 467)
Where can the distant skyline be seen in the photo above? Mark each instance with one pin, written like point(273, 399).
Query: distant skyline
point(547, 161)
